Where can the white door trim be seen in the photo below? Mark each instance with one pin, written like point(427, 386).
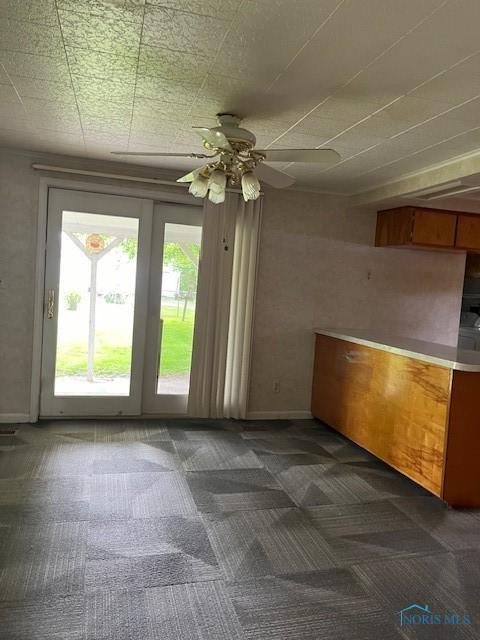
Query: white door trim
point(139, 209)
point(45, 183)
point(174, 404)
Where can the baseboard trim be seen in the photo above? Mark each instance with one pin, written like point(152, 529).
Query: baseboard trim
point(279, 415)
point(14, 417)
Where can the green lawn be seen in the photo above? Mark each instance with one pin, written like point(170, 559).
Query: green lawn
point(112, 358)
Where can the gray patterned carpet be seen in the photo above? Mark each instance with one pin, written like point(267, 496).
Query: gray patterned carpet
point(222, 530)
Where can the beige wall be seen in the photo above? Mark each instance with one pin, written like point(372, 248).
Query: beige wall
point(318, 268)
point(18, 212)
point(315, 257)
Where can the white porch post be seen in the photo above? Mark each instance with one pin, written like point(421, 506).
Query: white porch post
point(91, 317)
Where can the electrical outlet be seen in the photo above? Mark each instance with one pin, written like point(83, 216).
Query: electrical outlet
point(276, 386)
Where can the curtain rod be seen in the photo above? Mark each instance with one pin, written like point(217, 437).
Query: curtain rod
point(101, 174)
point(115, 176)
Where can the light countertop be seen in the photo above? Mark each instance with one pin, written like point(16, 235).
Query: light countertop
point(441, 354)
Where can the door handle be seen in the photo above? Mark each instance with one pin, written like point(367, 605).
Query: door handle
point(51, 304)
point(159, 355)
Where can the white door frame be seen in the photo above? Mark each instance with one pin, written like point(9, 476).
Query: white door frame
point(174, 404)
point(140, 209)
point(45, 183)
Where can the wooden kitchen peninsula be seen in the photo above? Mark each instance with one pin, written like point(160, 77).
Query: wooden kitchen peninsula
point(413, 404)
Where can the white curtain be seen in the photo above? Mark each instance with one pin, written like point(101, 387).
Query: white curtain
point(223, 331)
point(240, 330)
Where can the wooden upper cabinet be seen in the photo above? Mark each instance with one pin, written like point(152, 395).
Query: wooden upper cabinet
point(416, 227)
point(468, 232)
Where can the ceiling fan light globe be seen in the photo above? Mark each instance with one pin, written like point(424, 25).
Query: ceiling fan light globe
point(250, 186)
point(189, 177)
point(217, 181)
point(199, 186)
point(216, 197)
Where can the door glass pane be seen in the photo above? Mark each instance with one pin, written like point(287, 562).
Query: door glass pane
point(181, 251)
point(95, 304)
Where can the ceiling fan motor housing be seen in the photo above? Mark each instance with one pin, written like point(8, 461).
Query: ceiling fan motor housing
point(236, 135)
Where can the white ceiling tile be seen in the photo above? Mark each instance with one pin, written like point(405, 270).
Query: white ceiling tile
point(41, 11)
point(54, 121)
point(432, 132)
point(121, 10)
point(47, 90)
point(148, 140)
point(355, 35)
point(144, 121)
point(346, 109)
point(8, 94)
point(467, 113)
point(91, 92)
point(321, 127)
point(175, 90)
point(265, 36)
point(414, 60)
point(282, 109)
point(30, 65)
point(455, 86)
point(11, 110)
point(351, 142)
point(159, 62)
point(115, 120)
point(36, 106)
point(109, 142)
point(401, 116)
point(293, 140)
point(162, 110)
point(111, 122)
point(38, 136)
point(85, 62)
point(113, 36)
point(180, 31)
point(224, 9)
point(14, 119)
point(30, 37)
point(453, 27)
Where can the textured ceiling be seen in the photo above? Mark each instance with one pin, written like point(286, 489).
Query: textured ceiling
point(392, 85)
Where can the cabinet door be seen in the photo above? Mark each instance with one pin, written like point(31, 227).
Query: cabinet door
point(394, 227)
point(468, 232)
point(393, 406)
point(434, 228)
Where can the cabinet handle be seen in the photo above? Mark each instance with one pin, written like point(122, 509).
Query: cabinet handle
point(51, 304)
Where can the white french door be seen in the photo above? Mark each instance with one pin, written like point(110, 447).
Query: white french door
point(119, 308)
point(176, 244)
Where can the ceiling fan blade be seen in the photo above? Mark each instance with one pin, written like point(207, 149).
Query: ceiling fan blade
point(161, 153)
point(274, 177)
point(322, 156)
point(216, 139)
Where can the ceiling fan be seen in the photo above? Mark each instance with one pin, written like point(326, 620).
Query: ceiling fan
point(234, 160)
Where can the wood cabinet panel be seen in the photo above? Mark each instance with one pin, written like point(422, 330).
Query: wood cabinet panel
point(462, 461)
point(416, 227)
point(434, 228)
point(468, 232)
point(394, 227)
point(393, 406)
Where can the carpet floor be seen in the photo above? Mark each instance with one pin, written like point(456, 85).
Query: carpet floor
point(224, 530)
